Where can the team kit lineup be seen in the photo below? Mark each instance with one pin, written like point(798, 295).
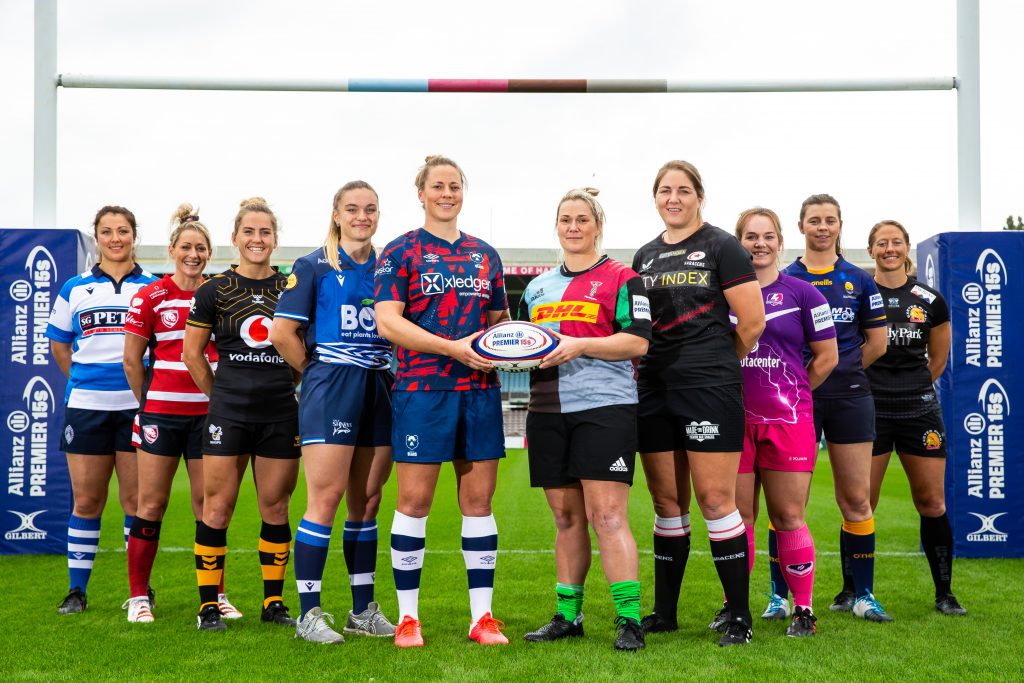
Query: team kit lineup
point(722, 369)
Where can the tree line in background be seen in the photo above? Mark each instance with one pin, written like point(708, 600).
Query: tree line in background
point(1010, 225)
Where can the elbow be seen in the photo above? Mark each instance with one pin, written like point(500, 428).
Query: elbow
point(641, 347)
point(277, 335)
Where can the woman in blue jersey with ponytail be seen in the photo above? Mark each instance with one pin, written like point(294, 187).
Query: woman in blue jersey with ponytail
point(344, 409)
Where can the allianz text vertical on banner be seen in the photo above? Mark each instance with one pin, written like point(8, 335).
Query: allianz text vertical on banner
point(35, 497)
point(981, 275)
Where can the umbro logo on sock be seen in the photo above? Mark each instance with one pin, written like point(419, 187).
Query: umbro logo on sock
point(619, 466)
point(410, 559)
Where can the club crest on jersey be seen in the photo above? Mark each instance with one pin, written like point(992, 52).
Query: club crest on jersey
point(169, 317)
point(150, 433)
point(339, 427)
point(594, 284)
point(477, 258)
point(774, 299)
point(916, 314)
point(695, 256)
point(69, 434)
point(645, 266)
point(932, 440)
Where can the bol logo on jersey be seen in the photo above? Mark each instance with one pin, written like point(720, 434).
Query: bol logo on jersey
point(255, 331)
point(355, 317)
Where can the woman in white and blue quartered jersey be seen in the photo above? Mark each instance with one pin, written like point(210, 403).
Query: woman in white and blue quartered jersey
point(325, 327)
point(86, 333)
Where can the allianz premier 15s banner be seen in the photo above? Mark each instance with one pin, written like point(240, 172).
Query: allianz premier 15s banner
point(35, 497)
point(981, 275)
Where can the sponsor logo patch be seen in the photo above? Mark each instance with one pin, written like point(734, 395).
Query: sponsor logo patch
point(702, 431)
point(26, 529)
point(292, 281)
point(578, 311)
point(822, 317)
point(641, 307)
point(875, 301)
point(987, 532)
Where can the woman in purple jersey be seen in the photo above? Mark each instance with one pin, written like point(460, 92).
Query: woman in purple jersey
point(690, 387)
point(779, 447)
point(907, 413)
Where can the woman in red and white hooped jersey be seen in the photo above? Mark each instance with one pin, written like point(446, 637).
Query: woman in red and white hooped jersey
point(172, 409)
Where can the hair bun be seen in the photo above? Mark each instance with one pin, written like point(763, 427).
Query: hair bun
point(253, 201)
point(184, 214)
point(592, 191)
point(431, 157)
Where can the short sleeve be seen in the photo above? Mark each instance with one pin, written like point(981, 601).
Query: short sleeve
point(633, 309)
point(816, 315)
point(139, 320)
point(298, 300)
point(871, 312)
point(499, 299)
point(735, 264)
point(940, 311)
point(60, 327)
point(391, 279)
point(204, 306)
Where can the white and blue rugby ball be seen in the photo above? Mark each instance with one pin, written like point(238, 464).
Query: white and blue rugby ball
point(515, 346)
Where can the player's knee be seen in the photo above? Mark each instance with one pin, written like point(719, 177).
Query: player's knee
point(607, 521)
point(152, 508)
point(567, 519)
point(930, 504)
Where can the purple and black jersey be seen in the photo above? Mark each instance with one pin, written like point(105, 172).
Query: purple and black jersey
point(448, 289)
point(856, 306)
point(900, 380)
point(775, 387)
point(692, 344)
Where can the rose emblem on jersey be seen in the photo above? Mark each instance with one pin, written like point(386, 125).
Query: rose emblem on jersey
point(169, 317)
point(255, 331)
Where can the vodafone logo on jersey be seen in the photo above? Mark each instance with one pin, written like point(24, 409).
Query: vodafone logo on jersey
point(255, 331)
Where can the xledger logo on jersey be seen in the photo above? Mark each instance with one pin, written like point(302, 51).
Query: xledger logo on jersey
point(987, 532)
point(702, 431)
point(102, 321)
point(437, 283)
point(578, 311)
point(255, 331)
point(26, 529)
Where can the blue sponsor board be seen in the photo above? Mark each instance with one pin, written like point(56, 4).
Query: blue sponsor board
point(981, 275)
point(35, 499)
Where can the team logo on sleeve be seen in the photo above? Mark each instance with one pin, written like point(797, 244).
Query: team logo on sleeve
point(255, 331)
point(774, 299)
point(822, 317)
point(641, 307)
point(292, 281)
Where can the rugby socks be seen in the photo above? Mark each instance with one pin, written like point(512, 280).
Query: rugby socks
point(796, 557)
point(570, 600)
point(311, 544)
point(671, 551)
point(275, 542)
point(750, 548)
point(480, 551)
point(860, 552)
point(224, 569)
point(211, 547)
point(128, 521)
point(626, 595)
point(844, 558)
point(937, 541)
point(729, 551)
point(778, 579)
point(408, 543)
point(83, 541)
point(360, 546)
point(143, 540)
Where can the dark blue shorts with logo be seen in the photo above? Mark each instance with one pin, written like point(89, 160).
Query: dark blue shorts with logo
point(97, 432)
point(441, 426)
point(345, 405)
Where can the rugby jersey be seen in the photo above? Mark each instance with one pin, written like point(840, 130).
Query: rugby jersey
point(692, 345)
point(605, 299)
point(775, 387)
point(89, 314)
point(448, 289)
point(158, 314)
point(900, 380)
point(856, 305)
point(337, 309)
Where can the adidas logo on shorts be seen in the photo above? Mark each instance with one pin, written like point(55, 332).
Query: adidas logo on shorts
point(619, 466)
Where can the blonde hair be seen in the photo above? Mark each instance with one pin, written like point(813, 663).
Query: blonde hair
point(433, 161)
point(588, 195)
point(908, 265)
point(186, 218)
point(745, 216)
point(333, 240)
point(254, 205)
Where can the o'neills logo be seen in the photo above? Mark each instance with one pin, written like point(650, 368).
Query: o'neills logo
point(26, 529)
point(984, 342)
point(32, 299)
point(26, 474)
point(986, 473)
point(987, 532)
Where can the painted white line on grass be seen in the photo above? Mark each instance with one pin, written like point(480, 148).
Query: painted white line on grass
point(514, 551)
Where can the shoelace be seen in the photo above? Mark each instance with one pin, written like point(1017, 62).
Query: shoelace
point(490, 624)
point(775, 602)
point(407, 627)
point(873, 603)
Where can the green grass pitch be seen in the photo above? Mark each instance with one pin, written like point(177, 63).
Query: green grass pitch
point(920, 644)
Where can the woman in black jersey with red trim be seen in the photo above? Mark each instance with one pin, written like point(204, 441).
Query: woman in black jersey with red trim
point(907, 413)
point(690, 416)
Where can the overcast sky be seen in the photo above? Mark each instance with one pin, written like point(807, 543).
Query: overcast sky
point(883, 155)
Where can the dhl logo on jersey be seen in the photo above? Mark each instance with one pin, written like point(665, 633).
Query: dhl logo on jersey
point(577, 311)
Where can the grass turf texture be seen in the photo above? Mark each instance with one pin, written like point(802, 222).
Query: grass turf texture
point(920, 645)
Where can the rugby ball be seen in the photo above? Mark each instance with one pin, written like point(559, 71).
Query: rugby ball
point(515, 346)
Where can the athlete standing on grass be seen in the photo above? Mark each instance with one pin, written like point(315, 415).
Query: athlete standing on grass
point(691, 393)
point(86, 332)
point(344, 409)
point(437, 289)
point(581, 427)
point(253, 413)
point(172, 409)
point(908, 416)
point(843, 408)
point(779, 449)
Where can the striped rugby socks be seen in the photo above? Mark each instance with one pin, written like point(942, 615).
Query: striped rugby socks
point(671, 551)
point(408, 543)
point(83, 541)
point(274, 549)
point(729, 551)
point(360, 547)
point(480, 552)
point(311, 544)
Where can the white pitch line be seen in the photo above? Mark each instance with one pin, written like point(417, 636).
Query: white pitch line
point(516, 551)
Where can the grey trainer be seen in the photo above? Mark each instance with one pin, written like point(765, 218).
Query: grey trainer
point(370, 622)
point(314, 627)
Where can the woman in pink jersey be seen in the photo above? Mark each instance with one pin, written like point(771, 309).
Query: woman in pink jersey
point(779, 445)
point(172, 409)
